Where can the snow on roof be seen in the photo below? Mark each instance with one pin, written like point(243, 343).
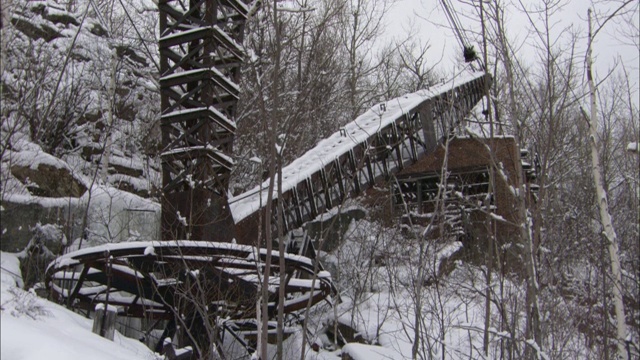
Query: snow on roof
point(338, 144)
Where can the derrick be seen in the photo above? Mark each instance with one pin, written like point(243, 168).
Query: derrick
point(200, 59)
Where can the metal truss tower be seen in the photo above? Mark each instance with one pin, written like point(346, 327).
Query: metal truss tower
point(200, 59)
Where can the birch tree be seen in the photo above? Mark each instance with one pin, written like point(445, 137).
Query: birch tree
point(601, 199)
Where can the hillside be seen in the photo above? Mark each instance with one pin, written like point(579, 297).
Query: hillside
point(470, 252)
point(78, 117)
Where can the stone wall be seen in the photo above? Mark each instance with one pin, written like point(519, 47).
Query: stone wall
point(105, 223)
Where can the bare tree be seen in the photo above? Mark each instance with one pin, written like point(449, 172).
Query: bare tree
point(361, 23)
point(602, 200)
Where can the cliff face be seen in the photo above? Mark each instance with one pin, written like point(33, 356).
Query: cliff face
point(79, 108)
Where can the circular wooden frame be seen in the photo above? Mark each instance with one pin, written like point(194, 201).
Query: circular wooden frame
point(156, 279)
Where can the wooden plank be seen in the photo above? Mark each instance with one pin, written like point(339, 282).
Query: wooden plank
point(428, 126)
point(399, 142)
point(354, 171)
point(312, 200)
point(181, 61)
point(296, 202)
point(325, 187)
point(340, 178)
point(412, 134)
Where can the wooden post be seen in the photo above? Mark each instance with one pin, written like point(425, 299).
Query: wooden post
point(171, 353)
point(104, 322)
point(428, 126)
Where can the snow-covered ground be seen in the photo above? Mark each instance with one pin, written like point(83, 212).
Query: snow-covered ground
point(33, 328)
point(375, 269)
point(383, 316)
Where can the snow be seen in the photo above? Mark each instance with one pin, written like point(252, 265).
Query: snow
point(32, 156)
point(220, 116)
point(304, 283)
point(135, 162)
point(256, 160)
point(347, 206)
point(369, 352)
point(176, 151)
point(59, 333)
point(540, 354)
point(238, 48)
point(340, 143)
point(110, 308)
point(113, 213)
point(180, 33)
point(181, 219)
point(45, 202)
point(150, 250)
point(383, 312)
point(497, 217)
point(137, 183)
point(218, 74)
point(227, 81)
point(181, 74)
point(447, 251)
point(11, 275)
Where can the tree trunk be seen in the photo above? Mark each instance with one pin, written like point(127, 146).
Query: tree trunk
point(603, 206)
point(111, 98)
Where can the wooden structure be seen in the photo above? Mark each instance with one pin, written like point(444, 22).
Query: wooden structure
point(145, 278)
point(167, 280)
point(425, 198)
point(468, 194)
point(200, 59)
point(387, 139)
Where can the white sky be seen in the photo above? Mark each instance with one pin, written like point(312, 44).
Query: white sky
point(406, 15)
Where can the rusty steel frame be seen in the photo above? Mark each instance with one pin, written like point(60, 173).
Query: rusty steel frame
point(200, 59)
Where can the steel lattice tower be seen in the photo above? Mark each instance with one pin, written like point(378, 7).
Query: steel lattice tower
point(200, 59)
